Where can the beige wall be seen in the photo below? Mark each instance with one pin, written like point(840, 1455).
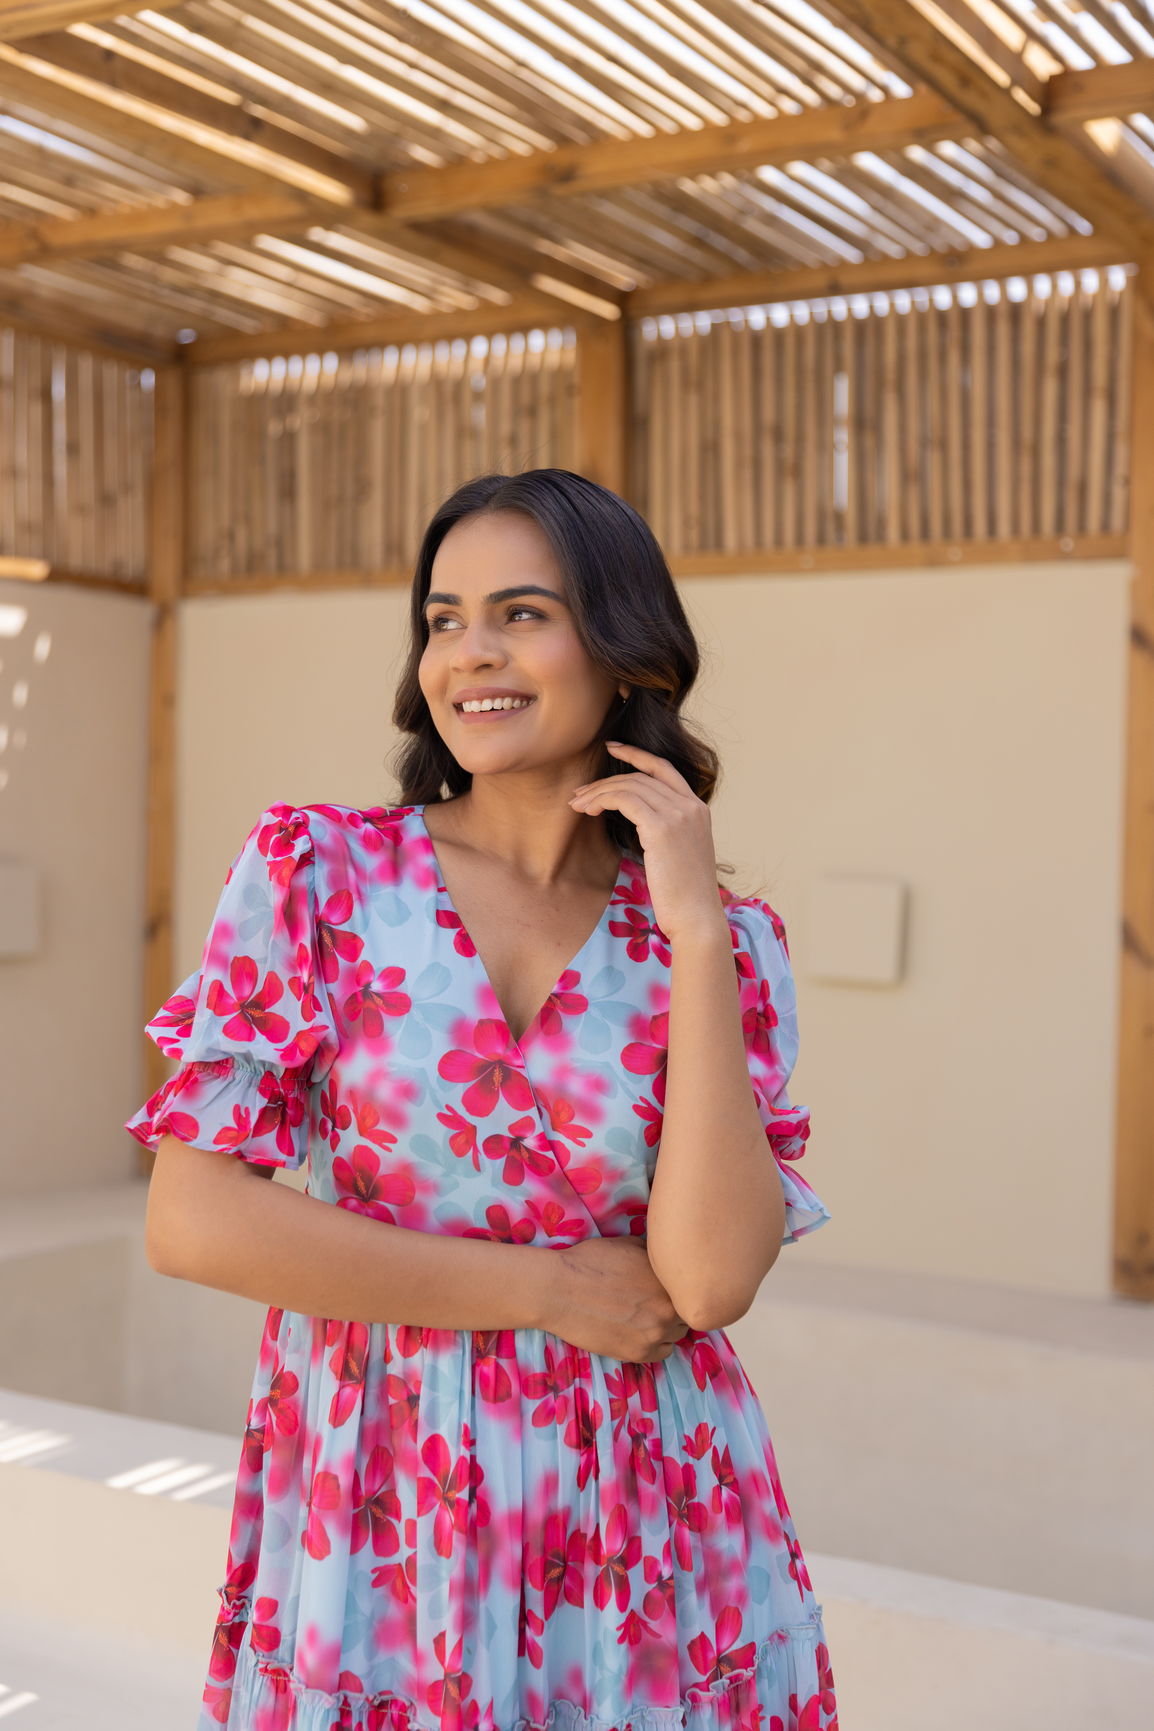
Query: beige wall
point(960, 729)
point(74, 806)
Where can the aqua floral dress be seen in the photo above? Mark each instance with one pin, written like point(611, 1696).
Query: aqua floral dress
point(490, 1530)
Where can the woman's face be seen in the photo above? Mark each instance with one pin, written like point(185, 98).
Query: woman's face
point(481, 635)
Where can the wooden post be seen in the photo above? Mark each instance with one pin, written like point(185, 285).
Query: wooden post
point(1134, 1171)
point(603, 404)
point(166, 563)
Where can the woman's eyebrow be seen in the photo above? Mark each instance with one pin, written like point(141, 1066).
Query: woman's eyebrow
point(497, 595)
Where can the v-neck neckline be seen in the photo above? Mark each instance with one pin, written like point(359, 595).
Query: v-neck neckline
point(535, 1021)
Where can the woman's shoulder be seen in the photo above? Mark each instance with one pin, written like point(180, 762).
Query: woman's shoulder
point(348, 837)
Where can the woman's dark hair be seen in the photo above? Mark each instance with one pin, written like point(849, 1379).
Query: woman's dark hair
point(627, 614)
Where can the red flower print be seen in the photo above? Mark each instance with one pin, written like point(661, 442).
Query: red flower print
point(176, 1016)
point(645, 1452)
point(347, 1364)
point(644, 936)
point(650, 1057)
point(491, 1072)
point(554, 1222)
point(630, 1386)
point(559, 1568)
point(284, 1111)
point(703, 1359)
point(333, 945)
point(699, 1444)
point(443, 1491)
point(660, 1600)
point(490, 1378)
point(613, 1556)
point(302, 984)
point(334, 1116)
point(257, 1438)
point(462, 1136)
point(366, 1190)
point(716, 1665)
point(726, 1497)
point(369, 1126)
point(370, 1003)
point(797, 1567)
point(279, 842)
point(826, 1685)
point(376, 1505)
point(447, 1697)
point(530, 1625)
point(561, 1115)
point(501, 1226)
point(686, 1513)
point(324, 1495)
point(226, 1639)
point(581, 1434)
point(265, 1634)
point(283, 1404)
point(652, 1118)
point(562, 1001)
point(547, 1387)
point(632, 1630)
point(524, 1148)
point(249, 1011)
point(462, 942)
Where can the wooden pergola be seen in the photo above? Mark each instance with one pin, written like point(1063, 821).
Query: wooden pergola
point(199, 189)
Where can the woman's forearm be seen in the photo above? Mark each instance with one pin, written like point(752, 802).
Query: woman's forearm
point(215, 1222)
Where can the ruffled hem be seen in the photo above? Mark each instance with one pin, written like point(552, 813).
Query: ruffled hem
point(790, 1679)
point(251, 1110)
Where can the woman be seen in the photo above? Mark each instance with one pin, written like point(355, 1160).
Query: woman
point(502, 1468)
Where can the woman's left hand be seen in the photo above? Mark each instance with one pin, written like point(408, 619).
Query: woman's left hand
point(676, 835)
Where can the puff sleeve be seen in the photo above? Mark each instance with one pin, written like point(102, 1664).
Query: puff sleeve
point(253, 1028)
point(769, 1024)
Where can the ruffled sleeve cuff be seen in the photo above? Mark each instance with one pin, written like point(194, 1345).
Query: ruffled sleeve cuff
point(247, 1109)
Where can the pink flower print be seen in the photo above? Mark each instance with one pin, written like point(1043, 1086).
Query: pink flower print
point(249, 1011)
point(807, 1718)
point(587, 1180)
point(530, 1626)
point(650, 1057)
point(448, 1697)
point(463, 1140)
point(652, 1118)
point(278, 842)
point(369, 1126)
point(364, 1188)
point(462, 942)
point(699, 1444)
point(613, 1556)
point(443, 1491)
point(547, 1387)
point(716, 1665)
point(726, 1498)
point(324, 1495)
point(826, 1684)
point(279, 1117)
point(644, 1449)
point(630, 1386)
point(581, 1434)
point(371, 1003)
point(687, 1514)
point(520, 1149)
point(553, 1220)
point(404, 1403)
point(703, 1359)
point(559, 1567)
point(333, 945)
point(302, 984)
point(490, 1378)
point(644, 935)
point(284, 1402)
point(347, 1364)
point(561, 1114)
point(502, 1226)
point(226, 1639)
point(632, 1630)
point(491, 1072)
point(265, 1634)
point(376, 1505)
point(176, 1017)
point(334, 1116)
point(562, 1001)
point(660, 1600)
point(797, 1568)
point(257, 1437)
point(756, 1023)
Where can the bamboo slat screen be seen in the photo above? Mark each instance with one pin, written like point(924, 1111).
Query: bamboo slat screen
point(328, 462)
point(75, 454)
point(976, 411)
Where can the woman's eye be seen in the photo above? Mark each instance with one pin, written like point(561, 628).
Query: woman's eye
point(442, 618)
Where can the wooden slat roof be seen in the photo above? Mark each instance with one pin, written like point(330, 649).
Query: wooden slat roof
point(285, 172)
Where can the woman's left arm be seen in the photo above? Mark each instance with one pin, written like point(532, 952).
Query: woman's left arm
point(716, 1209)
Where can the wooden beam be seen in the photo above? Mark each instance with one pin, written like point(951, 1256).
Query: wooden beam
point(603, 405)
point(27, 313)
point(755, 288)
point(19, 18)
point(1100, 92)
point(166, 571)
point(525, 313)
point(232, 216)
point(1134, 1119)
point(1067, 168)
point(571, 171)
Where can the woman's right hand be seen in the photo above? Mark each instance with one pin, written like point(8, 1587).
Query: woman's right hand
point(607, 1299)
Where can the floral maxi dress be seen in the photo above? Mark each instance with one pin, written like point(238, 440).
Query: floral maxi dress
point(481, 1530)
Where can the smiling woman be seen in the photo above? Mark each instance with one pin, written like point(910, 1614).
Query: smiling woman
point(502, 1468)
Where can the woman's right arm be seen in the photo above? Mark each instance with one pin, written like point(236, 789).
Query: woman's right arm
point(210, 1221)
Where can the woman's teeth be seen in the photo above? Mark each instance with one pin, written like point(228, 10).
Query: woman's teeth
point(486, 703)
